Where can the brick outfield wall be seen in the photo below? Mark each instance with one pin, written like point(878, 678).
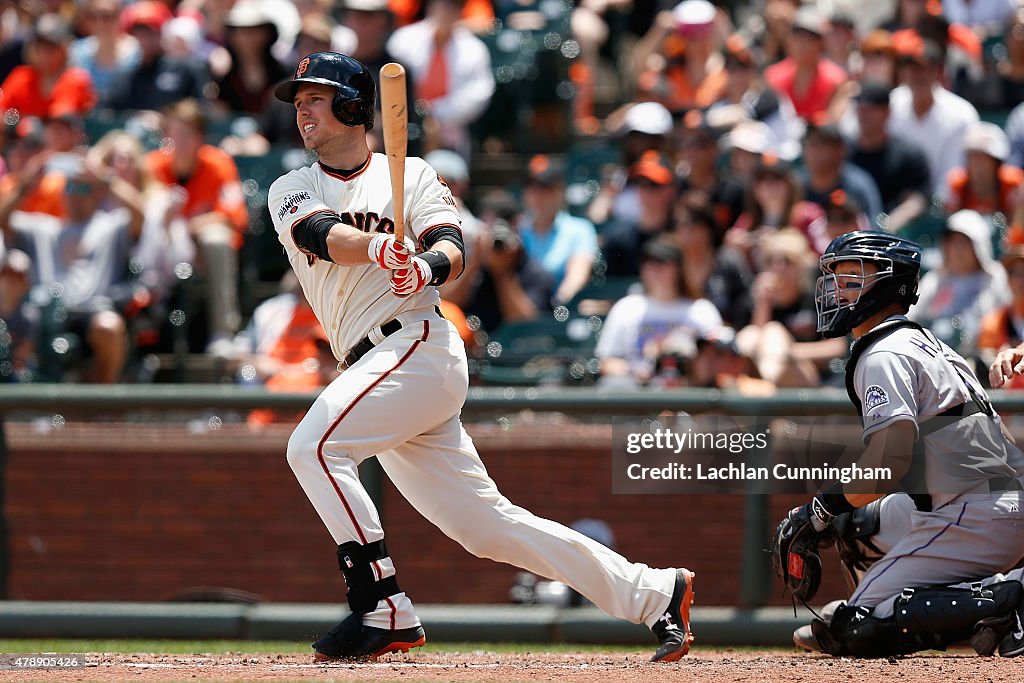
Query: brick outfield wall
point(146, 512)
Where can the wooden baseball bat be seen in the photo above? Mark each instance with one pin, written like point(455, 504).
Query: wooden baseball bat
point(395, 115)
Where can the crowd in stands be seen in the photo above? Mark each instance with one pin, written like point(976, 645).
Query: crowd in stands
point(711, 152)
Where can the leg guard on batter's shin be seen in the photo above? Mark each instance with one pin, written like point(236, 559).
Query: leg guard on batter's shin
point(923, 619)
point(364, 589)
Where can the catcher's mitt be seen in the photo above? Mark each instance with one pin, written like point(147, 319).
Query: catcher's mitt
point(794, 551)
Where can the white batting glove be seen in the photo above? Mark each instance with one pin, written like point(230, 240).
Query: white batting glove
point(388, 253)
point(407, 281)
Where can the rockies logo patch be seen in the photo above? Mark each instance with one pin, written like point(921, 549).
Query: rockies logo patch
point(874, 396)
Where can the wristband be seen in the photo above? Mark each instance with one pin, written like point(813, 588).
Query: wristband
point(440, 266)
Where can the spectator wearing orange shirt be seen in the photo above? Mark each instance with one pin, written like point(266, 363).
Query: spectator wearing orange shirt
point(214, 209)
point(28, 186)
point(46, 86)
point(806, 77)
point(690, 69)
point(986, 183)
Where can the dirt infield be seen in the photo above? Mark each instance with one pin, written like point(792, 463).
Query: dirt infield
point(718, 666)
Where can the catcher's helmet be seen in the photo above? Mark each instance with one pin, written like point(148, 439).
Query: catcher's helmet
point(355, 94)
point(845, 301)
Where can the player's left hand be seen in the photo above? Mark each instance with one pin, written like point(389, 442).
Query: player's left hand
point(407, 281)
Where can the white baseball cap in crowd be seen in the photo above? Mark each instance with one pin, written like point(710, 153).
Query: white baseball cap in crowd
point(650, 118)
point(694, 18)
point(366, 5)
point(750, 136)
point(448, 164)
point(989, 138)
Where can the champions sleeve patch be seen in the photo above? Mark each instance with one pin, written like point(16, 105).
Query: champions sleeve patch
point(291, 204)
point(874, 396)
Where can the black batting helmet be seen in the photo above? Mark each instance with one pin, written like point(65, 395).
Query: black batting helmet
point(844, 306)
point(355, 94)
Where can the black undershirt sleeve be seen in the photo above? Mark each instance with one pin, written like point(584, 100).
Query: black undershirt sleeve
point(449, 233)
point(310, 234)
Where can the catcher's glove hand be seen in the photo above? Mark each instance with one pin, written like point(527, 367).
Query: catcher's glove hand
point(794, 551)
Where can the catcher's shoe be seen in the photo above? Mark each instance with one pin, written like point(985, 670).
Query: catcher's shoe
point(351, 641)
point(804, 638)
point(673, 628)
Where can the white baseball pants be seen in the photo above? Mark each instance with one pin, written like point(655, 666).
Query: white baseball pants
point(401, 402)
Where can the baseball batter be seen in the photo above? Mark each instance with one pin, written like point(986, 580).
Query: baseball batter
point(927, 417)
point(404, 381)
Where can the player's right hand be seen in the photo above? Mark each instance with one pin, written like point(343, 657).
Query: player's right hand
point(411, 279)
point(390, 254)
point(1008, 364)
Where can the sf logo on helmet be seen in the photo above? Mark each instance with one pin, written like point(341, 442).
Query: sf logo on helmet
point(301, 69)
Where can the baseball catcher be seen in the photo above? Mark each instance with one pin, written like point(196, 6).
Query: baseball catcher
point(927, 418)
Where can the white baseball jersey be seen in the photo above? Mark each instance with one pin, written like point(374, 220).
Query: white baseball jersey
point(350, 300)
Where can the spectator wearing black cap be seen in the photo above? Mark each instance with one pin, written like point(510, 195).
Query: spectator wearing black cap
point(46, 85)
point(825, 170)
point(699, 173)
point(623, 241)
point(566, 246)
point(898, 167)
point(664, 320)
point(157, 80)
point(925, 113)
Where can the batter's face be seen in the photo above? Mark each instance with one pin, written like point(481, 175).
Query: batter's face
point(314, 116)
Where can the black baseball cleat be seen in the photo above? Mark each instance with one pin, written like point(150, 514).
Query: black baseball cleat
point(673, 628)
point(350, 641)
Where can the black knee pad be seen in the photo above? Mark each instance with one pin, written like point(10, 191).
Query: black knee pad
point(364, 590)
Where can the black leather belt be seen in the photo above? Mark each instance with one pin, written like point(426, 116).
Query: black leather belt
point(363, 346)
